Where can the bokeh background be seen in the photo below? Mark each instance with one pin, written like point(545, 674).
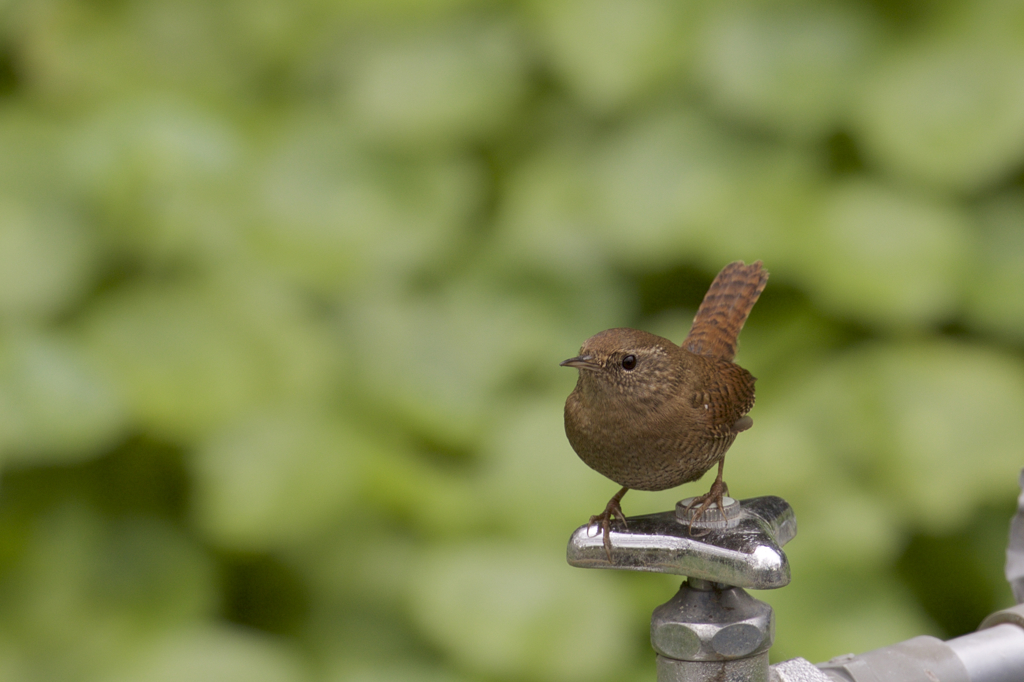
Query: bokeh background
point(284, 285)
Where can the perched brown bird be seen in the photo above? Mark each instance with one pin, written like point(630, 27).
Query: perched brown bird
point(652, 415)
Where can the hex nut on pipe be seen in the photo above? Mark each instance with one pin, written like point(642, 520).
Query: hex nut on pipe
point(712, 625)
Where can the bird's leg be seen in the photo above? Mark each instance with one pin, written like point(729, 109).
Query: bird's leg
point(714, 496)
point(605, 518)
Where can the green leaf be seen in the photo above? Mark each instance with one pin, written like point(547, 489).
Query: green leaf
point(876, 610)
point(419, 671)
point(46, 258)
point(887, 257)
point(57, 406)
point(661, 185)
point(160, 172)
point(947, 112)
point(439, 360)
point(610, 53)
point(929, 427)
point(86, 595)
point(508, 612)
point(277, 477)
point(998, 276)
point(528, 465)
point(957, 430)
point(192, 357)
point(330, 215)
point(214, 653)
point(435, 85)
point(791, 68)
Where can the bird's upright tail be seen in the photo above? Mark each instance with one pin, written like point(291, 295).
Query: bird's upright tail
point(724, 310)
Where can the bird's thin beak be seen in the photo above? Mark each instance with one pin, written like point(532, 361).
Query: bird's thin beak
point(580, 362)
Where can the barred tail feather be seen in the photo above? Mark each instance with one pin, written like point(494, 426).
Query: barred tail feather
point(721, 315)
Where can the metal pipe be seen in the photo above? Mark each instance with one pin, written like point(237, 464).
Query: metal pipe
point(992, 655)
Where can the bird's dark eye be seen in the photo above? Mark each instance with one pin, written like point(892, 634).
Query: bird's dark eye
point(629, 362)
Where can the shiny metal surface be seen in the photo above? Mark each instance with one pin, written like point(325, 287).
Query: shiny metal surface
point(921, 659)
point(747, 553)
point(712, 625)
point(709, 631)
point(1015, 550)
point(797, 670)
point(753, 669)
point(995, 654)
point(713, 517)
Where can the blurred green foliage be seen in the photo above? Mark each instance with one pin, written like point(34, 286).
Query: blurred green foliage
point(284, 286)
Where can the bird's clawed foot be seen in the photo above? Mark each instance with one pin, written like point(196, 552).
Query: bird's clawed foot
point(714, 496)
point(604, 520)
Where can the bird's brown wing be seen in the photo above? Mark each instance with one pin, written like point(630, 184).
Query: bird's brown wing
point(725, 397)
point(721, 315)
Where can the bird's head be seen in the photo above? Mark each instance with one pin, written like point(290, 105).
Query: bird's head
point(624, 364)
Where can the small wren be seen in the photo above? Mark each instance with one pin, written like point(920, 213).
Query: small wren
point(651, 415)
